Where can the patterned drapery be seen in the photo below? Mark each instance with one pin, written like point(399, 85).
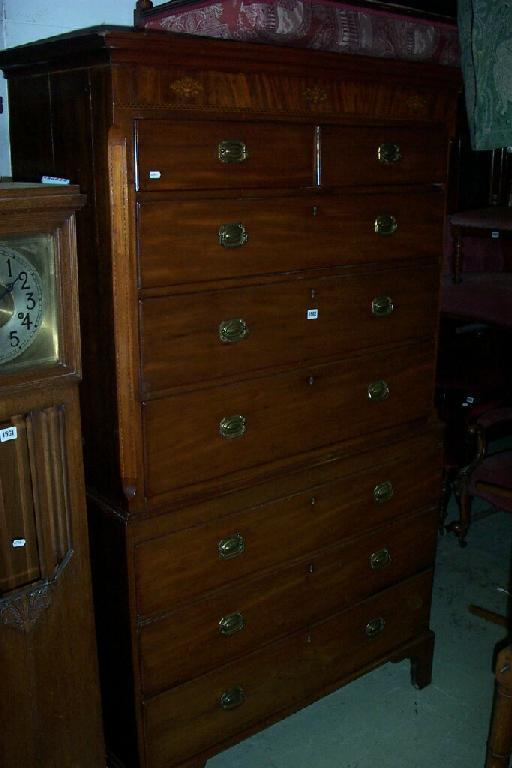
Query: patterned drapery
point(485, 31)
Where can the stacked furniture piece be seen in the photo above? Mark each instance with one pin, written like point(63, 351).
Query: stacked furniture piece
point(259, 270)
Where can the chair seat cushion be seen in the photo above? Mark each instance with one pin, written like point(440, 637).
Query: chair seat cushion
point(492, 479)
point(483, 297)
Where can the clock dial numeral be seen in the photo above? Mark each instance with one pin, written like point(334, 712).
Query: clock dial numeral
point(21, 303)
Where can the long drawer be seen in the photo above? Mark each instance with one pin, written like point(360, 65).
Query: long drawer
point(196, 240)
point(223, 626)
point(205, 155)
point(197, 337)
point(199, 715)
point(213, 432)
point(174, 569)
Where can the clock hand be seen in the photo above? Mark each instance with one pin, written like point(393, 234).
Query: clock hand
point(9, 287)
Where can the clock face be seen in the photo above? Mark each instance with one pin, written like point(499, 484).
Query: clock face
point(21, 303)
point(29, 329)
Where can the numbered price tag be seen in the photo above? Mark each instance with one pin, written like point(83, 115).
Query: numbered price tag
point(312, 314)
point(8, 433)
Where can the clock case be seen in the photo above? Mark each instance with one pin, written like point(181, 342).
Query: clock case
point(50, 704)
point(32, 210)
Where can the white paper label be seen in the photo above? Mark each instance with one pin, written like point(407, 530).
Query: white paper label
point(9, 433)
point(312, 314)
point(495, 234)
point(18, 543)
point(154, 174)
point(53, 180)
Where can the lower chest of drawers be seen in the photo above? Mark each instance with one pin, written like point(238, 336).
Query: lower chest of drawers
point(270, 598)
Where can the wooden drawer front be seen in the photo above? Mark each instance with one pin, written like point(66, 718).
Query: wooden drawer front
point(282, 415)
point(227, 624)
point(173, 569)
point(179, 241)
point(407, 155)
point(187, 155)
point(205, 336)
point(188, 719)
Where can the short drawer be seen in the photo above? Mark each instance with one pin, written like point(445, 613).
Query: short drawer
point(201, 714)
point(382, 154)
point(227, 624)
point(177, 568)
point(189, 338)
point(223, 155)
point(197, 240)
point(218, 431)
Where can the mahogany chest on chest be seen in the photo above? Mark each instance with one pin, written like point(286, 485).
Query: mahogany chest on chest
point(259, 264)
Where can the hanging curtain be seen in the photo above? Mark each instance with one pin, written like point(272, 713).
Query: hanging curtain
point(485, 31)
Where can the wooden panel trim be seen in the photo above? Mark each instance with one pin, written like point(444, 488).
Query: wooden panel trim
point(49, 471)
point(124, 291)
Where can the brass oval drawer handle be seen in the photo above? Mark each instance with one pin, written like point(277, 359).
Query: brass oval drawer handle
point(389, 153)
point(232, 427)
point(378, 390)
point(385, 224)
point(231, 546)
point(233, 330)
point(232, 235)
point(383, 492)
point(231, 624)
point(232, 151)
point(233, 698)
point(382, 306)
point(375, 627)
point(380, 559)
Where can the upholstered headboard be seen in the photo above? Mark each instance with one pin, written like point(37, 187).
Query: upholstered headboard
point(403, 30)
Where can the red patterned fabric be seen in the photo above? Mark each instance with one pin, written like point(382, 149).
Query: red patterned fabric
point(322, 24)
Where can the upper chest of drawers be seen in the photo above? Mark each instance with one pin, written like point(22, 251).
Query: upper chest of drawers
point(187, 155)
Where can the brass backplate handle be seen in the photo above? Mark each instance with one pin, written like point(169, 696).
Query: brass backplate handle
point(378, 390)
point(232, 151)
point(385, 224)
point(233, 698)
point(232, 235)
point(380, 559)
point(232, 427)
point(231, 624)
point(231, 546)
point(382, 306)
point(375, 626)
point(389, 153)
point(383, 492)
point(233, 330)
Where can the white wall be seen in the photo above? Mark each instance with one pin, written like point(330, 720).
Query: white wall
point(23, 21)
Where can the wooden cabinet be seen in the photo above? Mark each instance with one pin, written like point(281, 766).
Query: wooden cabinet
point(259, 266)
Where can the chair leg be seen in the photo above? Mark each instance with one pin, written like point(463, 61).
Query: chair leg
point(461, 526)
point(446, 492)
point(499, 746)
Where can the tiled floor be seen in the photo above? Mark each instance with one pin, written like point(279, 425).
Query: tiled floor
point(380, 720)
